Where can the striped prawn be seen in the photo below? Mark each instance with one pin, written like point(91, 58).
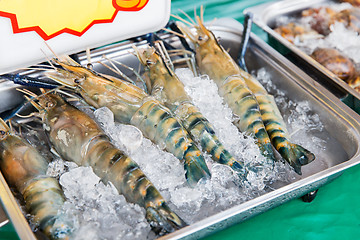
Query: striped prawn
point(131, 105)
point(214, 61)
point(163, 83)
point(77, 137)
point(256, 109)
point(25, 169)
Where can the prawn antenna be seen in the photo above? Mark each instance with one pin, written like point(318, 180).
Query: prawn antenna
point(183, 20)
point(51, 50)
point(116, 69)
point(173, 32)
point(112, 61)
point(37, 106)
point(88, 57)
point(47, 58)
point(202, 13)
point(27, 92)
point(191, 20)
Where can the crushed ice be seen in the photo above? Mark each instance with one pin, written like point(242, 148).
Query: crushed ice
point(99, 212)
point(96, 210)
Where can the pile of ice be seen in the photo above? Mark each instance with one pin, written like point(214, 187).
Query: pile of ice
point(97, 210)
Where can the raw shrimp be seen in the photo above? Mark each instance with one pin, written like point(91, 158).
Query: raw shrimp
point(131, 105)
point(214, 61)
point(77, 137)
point(166, 86)
point(256, 109)
point(25, 169)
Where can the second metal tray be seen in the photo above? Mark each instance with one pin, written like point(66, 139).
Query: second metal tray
point(265, 16)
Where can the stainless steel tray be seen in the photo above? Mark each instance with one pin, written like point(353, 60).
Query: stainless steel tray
point(341, 128)
point(265, 16)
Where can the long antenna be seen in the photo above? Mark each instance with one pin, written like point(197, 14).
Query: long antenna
point(173, 32)
point(192, 21)
point(183, 20)
point(202, 13)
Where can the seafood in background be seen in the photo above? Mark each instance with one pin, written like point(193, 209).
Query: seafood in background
point(256, 109)
point(355, 3)
point(131, 105)
point(163, 83)
point(296, 33)
point(25, 169)
point(337, 63)
point(77, 137)
point(335, 27)
point(323, 17)
point(320, 18)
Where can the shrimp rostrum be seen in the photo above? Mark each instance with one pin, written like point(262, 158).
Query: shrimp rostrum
point(25, 169)
point(256, 109)
point(163, 83)
point(131, 105)
point(78, 138)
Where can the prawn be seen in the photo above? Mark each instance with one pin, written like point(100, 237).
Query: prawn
point(131, 105)
point(25, 169)
point(214, 61)
point(164, 83)
point(76, 137)
point(256, 108)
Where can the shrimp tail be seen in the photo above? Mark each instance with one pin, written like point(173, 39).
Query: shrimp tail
point(212, 144)
point(195, 166)
point(35, 194)
point(297, 156)
point(163, 220)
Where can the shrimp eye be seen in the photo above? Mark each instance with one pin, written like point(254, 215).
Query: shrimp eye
point(49, 104)
point(148, 62)
point(89, 66)
point(77, 81)
point(2, 132)
point(200, 38)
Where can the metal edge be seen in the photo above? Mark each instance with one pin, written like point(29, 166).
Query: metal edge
point(261, 11)
point(220, 220)
point(14, 213)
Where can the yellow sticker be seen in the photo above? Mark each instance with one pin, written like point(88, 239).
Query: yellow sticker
point(54, 17)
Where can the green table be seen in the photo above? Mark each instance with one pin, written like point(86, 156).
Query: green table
point(335, 212)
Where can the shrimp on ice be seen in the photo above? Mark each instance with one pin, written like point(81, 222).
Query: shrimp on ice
point(163, 83)
point(256, 109)
point(25, 169)
point(131, 105)
point(78, 138)
point(214, 61)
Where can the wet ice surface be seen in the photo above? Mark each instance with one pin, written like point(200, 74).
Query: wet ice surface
point(346, 40)
point(98, 211)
